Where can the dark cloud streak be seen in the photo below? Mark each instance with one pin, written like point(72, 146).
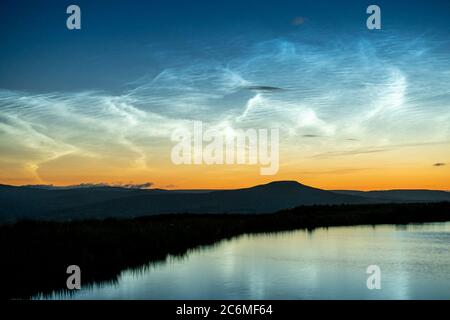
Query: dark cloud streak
point(263, 88)
point(312, 136)
point(145, 185)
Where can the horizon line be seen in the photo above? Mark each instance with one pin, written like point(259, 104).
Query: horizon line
point(128, 187)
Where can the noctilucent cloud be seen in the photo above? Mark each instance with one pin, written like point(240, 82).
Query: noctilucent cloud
point(99, 104)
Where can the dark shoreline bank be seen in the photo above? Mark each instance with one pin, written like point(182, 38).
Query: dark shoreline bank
point(35, 254)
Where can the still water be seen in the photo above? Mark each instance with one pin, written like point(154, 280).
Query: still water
point(321, 264)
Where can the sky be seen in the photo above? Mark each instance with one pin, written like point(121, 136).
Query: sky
point(356, 108)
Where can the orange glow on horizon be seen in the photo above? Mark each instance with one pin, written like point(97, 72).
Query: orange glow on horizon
point(411, 168)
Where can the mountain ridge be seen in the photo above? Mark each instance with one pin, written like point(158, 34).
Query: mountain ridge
point(31, 202)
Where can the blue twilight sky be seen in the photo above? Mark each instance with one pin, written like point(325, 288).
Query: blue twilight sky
point(118, 87)
point(122, 41)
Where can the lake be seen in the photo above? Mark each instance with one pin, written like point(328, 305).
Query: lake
point(326, 263)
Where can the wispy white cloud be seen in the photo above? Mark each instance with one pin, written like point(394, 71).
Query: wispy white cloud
point(377, 91)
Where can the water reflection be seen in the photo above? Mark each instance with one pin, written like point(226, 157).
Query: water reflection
point(327, 263)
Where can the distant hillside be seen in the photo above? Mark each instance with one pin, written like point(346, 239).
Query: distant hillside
point(401, 195)
point(31, 202)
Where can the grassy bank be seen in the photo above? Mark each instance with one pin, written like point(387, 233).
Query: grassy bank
point(35, 254)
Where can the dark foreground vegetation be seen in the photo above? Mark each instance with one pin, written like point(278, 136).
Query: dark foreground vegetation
point(35, 255)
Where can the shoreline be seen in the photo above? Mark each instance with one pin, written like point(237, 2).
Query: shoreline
point(37, 253)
